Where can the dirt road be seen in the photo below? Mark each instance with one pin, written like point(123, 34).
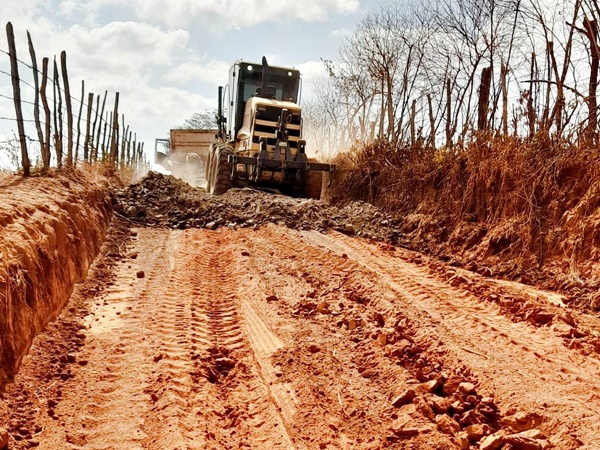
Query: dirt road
point(276, 338)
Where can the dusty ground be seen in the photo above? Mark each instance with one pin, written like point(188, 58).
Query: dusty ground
point(280, 338)
point(260, 321)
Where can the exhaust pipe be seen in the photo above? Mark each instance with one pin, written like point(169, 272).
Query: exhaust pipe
point(265, 77)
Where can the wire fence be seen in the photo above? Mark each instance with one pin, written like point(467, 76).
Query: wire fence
point(62, 131)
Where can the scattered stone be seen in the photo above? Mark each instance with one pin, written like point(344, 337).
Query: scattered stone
point(131, 212)
point(533, 434)
point(543, 317)
point(140, 274)
point(71, 357)
point(272, 298)
point(476, 431)
point(430, 386)
point(492, 442)
point(349, 229)
point(404, 398)
point(522, 442)
point(451, 385)
point(3, 438)
point(422, 407)
point(463, 440)
point(352, 324)
point(439, 405)
point(323, 307)
point(158, 357)
point(522, 421)
point(225, 362)
point(405, 427)
point(466, 388)
point(154, 397)
point(211, 225)
point(244, 253)
point(314, 348)
point(33, 443)
point(447, 425)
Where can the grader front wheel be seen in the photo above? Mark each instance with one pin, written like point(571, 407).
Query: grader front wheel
point(222, 181)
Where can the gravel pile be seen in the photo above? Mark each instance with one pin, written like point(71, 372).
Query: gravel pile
point(163, 200)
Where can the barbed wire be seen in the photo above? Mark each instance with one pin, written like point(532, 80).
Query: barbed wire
point(54, 82)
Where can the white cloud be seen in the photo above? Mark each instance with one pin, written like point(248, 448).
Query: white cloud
point(199, 70)
point(341, 33)
point(312, 71)
point(233, 13)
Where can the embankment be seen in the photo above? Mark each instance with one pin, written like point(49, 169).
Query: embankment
point(524, 210)
point(51, 229)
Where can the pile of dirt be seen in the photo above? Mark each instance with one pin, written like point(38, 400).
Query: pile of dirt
point(51, 230)
point(167, 201)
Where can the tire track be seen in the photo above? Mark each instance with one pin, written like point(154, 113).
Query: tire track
point(224, 363)
point(563, 384)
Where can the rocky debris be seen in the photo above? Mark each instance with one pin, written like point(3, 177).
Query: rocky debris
point(526, 440)
point(140, 274)
point(447, 425)
point(167, 201)
point(404, 398)
point(3, 439)
point(522, 421)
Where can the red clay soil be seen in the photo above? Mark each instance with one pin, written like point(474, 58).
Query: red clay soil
point(51, 231)
point(277, 338)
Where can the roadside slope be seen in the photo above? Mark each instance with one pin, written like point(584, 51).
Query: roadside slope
point(51, 229)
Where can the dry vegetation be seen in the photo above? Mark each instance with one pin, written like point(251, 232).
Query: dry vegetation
point(526, 209)
point(475, 122)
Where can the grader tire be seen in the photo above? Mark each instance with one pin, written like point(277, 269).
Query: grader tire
point(222, 181)
point(313, 183)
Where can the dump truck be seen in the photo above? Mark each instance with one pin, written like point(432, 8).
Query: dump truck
point(259, 138)
point(185, 154)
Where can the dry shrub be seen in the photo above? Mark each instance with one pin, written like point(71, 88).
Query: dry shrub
point(516, 195)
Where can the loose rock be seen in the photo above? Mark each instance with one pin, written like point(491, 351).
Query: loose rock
point(404, 398)
point(3, 438)
point(447, 425)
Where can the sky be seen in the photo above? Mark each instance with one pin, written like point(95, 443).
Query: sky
point(167, 58)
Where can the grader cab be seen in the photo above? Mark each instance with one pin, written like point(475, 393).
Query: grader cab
point(259, 139)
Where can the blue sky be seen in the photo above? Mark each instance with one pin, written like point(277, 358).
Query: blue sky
point(167, 57)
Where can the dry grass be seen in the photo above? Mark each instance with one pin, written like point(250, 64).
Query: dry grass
point(525, 190)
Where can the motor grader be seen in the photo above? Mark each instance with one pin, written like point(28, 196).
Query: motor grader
point(259, 139)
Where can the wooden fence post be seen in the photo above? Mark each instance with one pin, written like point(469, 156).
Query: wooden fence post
point(100, 124)
point(124, 130)
point(14, 70)
point(114, 149)
point(46, 109)
point(58, 128)
point(79, 120)
point(86, 142)
point(106, 122)
point(109, 140)
point(93, 149)
point(36, 105)
point(132, 155)
point(65, 76)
